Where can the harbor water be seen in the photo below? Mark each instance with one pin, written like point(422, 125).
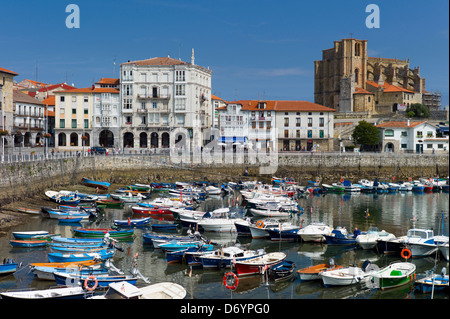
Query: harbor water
point(394, 213)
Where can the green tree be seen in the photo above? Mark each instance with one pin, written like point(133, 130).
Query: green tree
point(366, 134)
point(419, 110)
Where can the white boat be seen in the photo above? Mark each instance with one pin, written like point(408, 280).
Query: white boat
point(420, 242)
point(314, 232)
point(52, 293)
point(212, 190)
point(187, 214)
point(259, 229)
point(125, 290)
point(394, 275)
point(444, 250)
point(130, 198)
point(222, 258)
point(220, 224)
point(369, 240)
point(344, 276)
point(268, 213)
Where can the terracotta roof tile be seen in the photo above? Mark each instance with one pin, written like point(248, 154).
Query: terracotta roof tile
point(157, 61)
point(389, 88)
point(362, 91)
point(108, 81)
point(399, 124)
point(8, 71)
point(63, 86)
point(49, 101)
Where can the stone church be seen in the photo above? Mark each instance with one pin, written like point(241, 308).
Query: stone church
point(348, 80)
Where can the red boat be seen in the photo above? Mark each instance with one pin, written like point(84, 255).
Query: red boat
point(151, 210)
point(259, 264)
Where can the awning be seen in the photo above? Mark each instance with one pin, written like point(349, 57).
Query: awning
point(232, 139)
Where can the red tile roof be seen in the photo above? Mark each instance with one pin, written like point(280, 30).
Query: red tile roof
point(50, 100)
point(399, 124)
point(389, 88)
point(157, 61)
point(55, 86)
point(362, 91)
point(286, 106)
point(8, 71)
point(108, 81)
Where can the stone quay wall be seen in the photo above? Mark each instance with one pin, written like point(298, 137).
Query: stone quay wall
point(25, 179)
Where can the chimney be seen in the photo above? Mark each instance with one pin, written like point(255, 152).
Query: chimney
point(192, 57)
point(407, 123)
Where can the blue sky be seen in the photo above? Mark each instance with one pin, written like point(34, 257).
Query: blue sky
point(256, 49)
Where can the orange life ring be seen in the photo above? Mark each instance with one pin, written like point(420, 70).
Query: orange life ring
point(431, 180)
point(406, 253)
point(409, 179)
point(230, 280)
point(86, 283)
point(260, 224)
point(341, 180)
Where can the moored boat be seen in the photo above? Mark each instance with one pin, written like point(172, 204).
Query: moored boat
point(101, 232)
point(68, 257)
point(52, 293)
point(132, 222)
point(314, 232)
point(28, 243)
point(9, 266)
point(95, 184)
point(259, 264)
point(394, 275)
point(313, 272)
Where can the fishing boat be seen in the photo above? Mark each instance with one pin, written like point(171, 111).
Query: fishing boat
point(124, 290)
point(443, 248)
point(28, 243)
point(314, 232)
point(259, 229)
point(132, 222)
point(76, 241)
point(259, 264)
point(63, 197)
point(101, 232)
point(70, 219)
point(68, 257)
point(313, 272)
point(268, 213)
point(243, 226)
point(57, 214)
point(75, 292)
point(369, 240)
point(436, 282)
point(420, 242)
point(129, 198)
point(101, 280)
point(164, 227)
point(9, 266)
point(284, 232)
point(148, 238)
point(222, 258)
point(186, 213)
point(111, 203)
point(95, 184)
point(334, 188)
point(46, 273)
point(222, 223)
point(30, 211)
point(281, 271)
point(340, 236)
point(30, 234)
point(394, 275)
point(344, 276)
point(177, 245)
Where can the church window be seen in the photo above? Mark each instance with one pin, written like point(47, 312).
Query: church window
point(356, 75)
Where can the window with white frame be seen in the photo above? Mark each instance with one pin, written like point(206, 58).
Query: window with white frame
point(180, 76)
point(180, 90)
point(127, 104)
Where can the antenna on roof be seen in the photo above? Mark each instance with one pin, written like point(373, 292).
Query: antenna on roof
point(114, 67)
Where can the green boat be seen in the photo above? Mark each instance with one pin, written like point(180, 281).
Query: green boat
point(394, 275)
point(333, 188)
point(101, 232)
point(111, 203)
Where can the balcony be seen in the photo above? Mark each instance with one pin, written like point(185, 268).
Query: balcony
point(153, 96)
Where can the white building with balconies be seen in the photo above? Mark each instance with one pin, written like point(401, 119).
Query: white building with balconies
point(160, 95)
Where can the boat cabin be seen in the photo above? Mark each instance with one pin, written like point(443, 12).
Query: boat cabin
point(425, 235)
point(229, 252)
point(122, 290)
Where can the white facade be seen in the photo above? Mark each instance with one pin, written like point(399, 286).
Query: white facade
point(159, 95)
point(29, 115)
point(107, 114)
point(411, 137)
point(233, 123)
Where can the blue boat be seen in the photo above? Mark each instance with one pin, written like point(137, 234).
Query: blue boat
point(95, 184)
point(438, 282)
point(178, 255)
point(76, 241)
point(28, 243)
point(148, 238)
point(103, 281)
point(60, 257)
point(340, 237)
point(30, 234)
point(132, 222)
point(164, 227)
point(181, 245)
point(288, 232)
point(8, 267)
point(47, 272)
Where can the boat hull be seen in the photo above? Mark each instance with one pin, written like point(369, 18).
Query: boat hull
point(258, 265)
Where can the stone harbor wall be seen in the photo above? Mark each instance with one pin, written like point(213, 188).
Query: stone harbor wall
point(29, 178)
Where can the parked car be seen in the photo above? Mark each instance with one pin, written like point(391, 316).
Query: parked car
point(97, 150)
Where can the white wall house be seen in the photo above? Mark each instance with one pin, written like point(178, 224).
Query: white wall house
point(107, 113)
point(29, 119)
point(159, 95)
point(233, 124)
point(411, 137)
